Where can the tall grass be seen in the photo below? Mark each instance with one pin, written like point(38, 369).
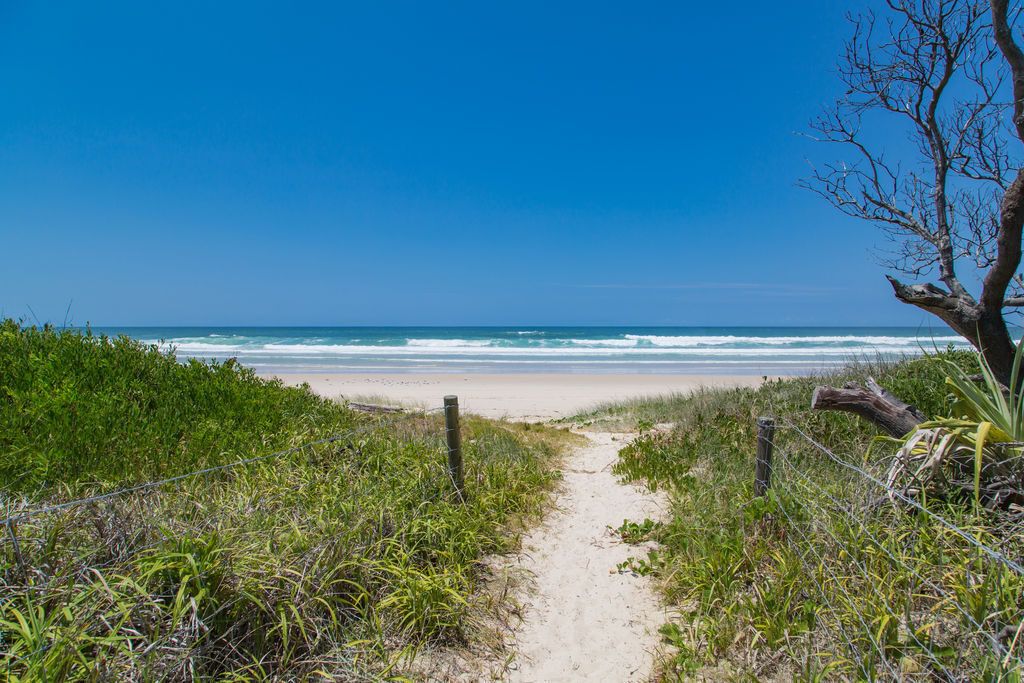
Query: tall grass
point(823, 579)
point(334, 562)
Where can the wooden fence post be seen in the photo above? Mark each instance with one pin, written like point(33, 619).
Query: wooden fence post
point(454, 437)
point(17, 549)
point(765, 444)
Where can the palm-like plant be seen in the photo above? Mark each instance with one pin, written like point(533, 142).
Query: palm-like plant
point(977, 449)
point(993, 403)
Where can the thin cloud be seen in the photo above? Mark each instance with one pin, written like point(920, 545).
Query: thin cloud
point(763, 288)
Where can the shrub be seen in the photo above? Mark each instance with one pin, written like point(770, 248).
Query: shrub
point(82, 409)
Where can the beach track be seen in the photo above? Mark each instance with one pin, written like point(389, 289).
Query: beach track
point(584, 618)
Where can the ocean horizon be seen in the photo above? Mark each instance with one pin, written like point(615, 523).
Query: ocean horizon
point(544, 349)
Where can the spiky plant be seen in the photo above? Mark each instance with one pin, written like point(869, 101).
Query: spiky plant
point(977, 449)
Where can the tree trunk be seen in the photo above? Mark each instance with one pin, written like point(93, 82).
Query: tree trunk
point(996, 345)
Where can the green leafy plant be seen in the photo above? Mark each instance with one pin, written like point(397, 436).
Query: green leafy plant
point(640, 566)
point(977, 449)
point(993, 403)
point(637, 532)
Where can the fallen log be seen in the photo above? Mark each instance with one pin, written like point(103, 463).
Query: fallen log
point(873, 403)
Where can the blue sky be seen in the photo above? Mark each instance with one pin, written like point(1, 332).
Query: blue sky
point(424, 163)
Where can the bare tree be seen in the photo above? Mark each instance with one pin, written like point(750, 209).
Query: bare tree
point(949, 76)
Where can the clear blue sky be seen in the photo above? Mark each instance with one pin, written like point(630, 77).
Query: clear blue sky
point(424, 163)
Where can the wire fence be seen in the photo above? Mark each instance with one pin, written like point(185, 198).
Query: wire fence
point(901, 589)
point(58, 554)
point(14, 518)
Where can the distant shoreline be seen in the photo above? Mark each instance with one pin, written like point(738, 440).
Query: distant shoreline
point(683, 351)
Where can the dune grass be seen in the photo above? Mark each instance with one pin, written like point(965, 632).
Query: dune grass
point(819, 580)
point(77, 408)
point(338, 561)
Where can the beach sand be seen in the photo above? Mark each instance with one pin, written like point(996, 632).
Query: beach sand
point(584, 619)
point(526, 396)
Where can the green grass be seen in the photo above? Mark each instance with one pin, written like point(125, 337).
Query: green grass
point(339, 561)
point(75, 408)
point(819, 580)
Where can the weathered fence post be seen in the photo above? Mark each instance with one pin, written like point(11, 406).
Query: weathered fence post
point(17, 548)
point(454, 436)
point(765, 444)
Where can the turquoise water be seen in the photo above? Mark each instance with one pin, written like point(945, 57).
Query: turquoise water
point(689, 350)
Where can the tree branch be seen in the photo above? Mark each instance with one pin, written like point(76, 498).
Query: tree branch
point(874, 404)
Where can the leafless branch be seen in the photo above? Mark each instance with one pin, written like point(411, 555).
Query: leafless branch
point(949, 76)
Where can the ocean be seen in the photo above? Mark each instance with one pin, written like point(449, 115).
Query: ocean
point(680, 350)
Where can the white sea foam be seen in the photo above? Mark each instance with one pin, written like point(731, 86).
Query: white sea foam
point(200, 349)
point(448, 343)
point(197, 347)
point(850, 340)
point(544, 361)
point(551, 350)
point(604, 342)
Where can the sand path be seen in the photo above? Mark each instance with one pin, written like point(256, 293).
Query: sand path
point(583, 620)
point(532, 397)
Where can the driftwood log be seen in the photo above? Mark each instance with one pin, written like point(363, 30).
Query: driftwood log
point(873, 403)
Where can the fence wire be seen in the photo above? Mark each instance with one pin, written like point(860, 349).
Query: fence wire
point(896, 493)
point(60, 562)
point(904, 590)
point(149, 485)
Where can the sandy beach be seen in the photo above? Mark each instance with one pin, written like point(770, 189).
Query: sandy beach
point(529, 396)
